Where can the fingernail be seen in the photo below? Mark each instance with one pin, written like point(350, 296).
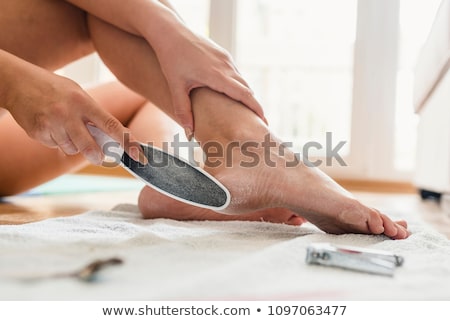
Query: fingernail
point(139, 156)
point(189, 134)
point(93, 157)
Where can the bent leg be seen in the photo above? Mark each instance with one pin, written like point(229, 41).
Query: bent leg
point(46, 33)
point(132, 60)
point(264, 185)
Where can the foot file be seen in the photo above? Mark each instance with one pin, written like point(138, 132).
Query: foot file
point(168, 174)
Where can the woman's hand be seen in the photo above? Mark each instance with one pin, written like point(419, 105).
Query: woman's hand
point(55, 110)
point(187, 60)
point(190, 61)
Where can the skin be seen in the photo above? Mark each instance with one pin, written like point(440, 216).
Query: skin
point(46, 35)
point(289, 193)
point(324, 203)
point(280, 193)
point(29, 163)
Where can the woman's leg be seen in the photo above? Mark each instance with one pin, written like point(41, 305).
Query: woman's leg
point(132, 61)
point(303, 190)
point(46, 33)
point(52, 34)
point(271, 178)
point(272, 183)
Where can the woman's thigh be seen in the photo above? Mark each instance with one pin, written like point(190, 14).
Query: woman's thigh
point(48, 33)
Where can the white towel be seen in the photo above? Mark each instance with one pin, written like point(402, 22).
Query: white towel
point(172, 260)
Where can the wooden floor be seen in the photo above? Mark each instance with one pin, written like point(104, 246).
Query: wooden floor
point(24, 209)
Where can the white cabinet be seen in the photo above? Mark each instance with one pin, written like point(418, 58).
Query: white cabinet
point(432, 103)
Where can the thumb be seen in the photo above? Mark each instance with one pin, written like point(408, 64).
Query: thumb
point(115, 130)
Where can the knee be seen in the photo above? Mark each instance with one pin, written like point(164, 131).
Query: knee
point(64, 28)
point(12, 189)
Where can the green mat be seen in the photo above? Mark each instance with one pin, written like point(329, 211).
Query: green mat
point(72, 183)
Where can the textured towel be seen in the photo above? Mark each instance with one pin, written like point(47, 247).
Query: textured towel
point(172, 260)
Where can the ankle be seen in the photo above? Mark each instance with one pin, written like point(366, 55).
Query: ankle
point(220, 118)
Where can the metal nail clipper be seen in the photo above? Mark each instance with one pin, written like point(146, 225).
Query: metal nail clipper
point(353, 258)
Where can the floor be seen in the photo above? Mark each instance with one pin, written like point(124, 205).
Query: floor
point(24, 209)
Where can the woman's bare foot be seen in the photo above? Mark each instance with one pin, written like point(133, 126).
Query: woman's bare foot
point(303, 190)
point(153, 204)
point(266, 180)
point(263, 174)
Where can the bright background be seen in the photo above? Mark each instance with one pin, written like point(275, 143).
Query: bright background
point(317, 66)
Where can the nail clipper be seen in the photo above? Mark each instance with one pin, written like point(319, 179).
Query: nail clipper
point(353, 258)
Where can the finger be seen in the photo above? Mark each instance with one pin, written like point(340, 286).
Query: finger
point(134, 148)
point(64, 142)
point(45, 138)
point(237, 76)
point(114, 129)
point(48, 142)
point(183, 110)
point(85, 144)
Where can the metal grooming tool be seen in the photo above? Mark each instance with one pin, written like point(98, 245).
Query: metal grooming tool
point(353, 258)
point(87, 273)
point(168, 174)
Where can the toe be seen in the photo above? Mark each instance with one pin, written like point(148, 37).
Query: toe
point(390, 228)
point(296, 220)
point(375, 222)
point(402, 233)
point(395, 230)
point(402, 223)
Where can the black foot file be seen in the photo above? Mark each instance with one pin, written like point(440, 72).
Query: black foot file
point(168, 174)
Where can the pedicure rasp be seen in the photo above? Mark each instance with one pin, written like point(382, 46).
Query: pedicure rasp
point(168, 174)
